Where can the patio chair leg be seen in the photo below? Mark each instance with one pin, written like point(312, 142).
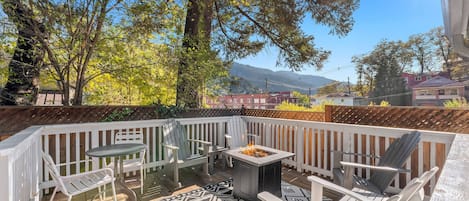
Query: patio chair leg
point(230, 161)
point(176, 173)
point(142, 177)
point(69, 198)
point(100, 193)
point(53, 194)
point(205, 168)
point(114, 191)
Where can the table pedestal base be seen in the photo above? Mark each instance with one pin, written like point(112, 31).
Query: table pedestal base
point(121, 188)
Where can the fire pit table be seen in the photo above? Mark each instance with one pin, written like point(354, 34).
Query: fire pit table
point(255, 169)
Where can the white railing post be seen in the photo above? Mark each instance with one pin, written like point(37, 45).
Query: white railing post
point(6, 183)
point(299, 131)
point(347, 145)
point(268, 134)
point(94, 143)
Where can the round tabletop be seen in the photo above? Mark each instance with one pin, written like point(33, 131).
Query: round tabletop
point(116, 150)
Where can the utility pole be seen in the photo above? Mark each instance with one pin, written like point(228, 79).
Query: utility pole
point(266, 84)
point(348, 84)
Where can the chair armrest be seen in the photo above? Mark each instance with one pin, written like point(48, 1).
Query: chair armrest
point(228, 136)
point(200, 141)
point(356, 154)
point(266, 196)
point(170, 147)
point(315, 181)
point(252, 135)
point(109, 171)
point(359, 165)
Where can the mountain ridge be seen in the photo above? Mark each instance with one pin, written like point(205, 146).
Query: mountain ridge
point(276, 80)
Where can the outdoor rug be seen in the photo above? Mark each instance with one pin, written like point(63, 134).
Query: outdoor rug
point(223, 191)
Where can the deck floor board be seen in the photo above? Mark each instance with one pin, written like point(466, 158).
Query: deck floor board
point(158, 186)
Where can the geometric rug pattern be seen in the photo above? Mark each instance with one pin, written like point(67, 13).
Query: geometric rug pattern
point(223, 191)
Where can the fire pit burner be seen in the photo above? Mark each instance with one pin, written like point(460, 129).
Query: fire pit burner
point(250, 150)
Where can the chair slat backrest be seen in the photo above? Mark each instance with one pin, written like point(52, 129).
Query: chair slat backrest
point(237, 129)
point(175, 135)
point(395, 156)
point(128, 136)
point(54, 172)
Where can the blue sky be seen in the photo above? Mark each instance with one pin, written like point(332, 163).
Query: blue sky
point(374, 20)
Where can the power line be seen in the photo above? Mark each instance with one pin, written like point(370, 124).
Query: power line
point(338, 69)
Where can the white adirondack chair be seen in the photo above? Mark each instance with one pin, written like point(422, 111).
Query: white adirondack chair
point(413, 191)
point(138, 161)
point(178, 153)
point(79, 183)
point(238, 135)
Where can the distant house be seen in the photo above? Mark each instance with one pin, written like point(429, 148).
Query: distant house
point(49, 98)
point(46, 97)
point(435, 91)
point(340, 99)
point(251, 101)
point(415, 79)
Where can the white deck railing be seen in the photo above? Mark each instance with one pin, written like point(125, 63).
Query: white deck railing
point(312, 143)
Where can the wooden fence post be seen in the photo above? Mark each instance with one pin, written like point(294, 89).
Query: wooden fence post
point(328, 113)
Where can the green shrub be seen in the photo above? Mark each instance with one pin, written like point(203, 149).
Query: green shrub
point(456, 103)
point(168, 111)
point(293, 107)
point(119, 115)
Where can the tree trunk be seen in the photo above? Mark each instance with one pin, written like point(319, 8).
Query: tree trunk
point(23, 79)
point(197, 31)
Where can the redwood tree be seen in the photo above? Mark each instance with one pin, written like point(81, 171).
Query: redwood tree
point(236, 29)
point(23, 77)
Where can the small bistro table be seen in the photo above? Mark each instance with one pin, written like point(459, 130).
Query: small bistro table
point(118, 151)
point(252, 175)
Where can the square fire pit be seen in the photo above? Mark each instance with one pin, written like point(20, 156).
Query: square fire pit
point(255, 169)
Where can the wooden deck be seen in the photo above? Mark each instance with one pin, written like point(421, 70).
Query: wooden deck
point(158, 186)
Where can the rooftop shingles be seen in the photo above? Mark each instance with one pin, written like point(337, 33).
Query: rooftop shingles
point(437, 81)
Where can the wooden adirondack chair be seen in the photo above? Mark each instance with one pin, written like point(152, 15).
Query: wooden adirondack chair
point(238, 135)
point(390, 164)
point(178, 153)
point(413, 191)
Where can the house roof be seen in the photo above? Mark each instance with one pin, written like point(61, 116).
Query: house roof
point(338, 95)
point(437, 81)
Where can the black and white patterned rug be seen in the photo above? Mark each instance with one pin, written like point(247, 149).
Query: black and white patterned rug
point(223, 191)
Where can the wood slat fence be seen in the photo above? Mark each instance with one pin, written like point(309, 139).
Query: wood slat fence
point(431, 118)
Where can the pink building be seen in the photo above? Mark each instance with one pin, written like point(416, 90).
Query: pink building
point(414, 79)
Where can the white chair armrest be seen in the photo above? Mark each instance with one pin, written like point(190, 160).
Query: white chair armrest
point(108, 171)
point(266, 196)
point(200, 141)
point(252, 135)
point(228, 136)
point(335, 187)
point(172, 147)
point(359, 165)
point(356, 154)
